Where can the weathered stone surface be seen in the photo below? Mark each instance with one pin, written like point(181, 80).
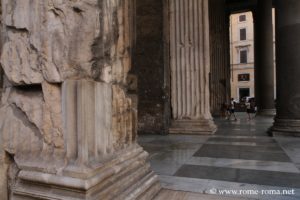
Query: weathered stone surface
point(43, 110)
point(20, 137)
point(52, 114)
point(66, 121)
point(126, 176)
point(122, 115)
point(20, 62)
point(31, 127)
point(59, 40)
point(49, 40)
point(101, 149)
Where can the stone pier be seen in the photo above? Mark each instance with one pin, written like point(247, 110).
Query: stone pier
point(68, 128)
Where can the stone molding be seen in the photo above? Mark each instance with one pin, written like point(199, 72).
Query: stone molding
point(286, 127)
point(125, 176)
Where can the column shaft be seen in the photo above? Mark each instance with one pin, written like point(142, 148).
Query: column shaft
point(287, 121)
point(190, 66)
point(264, 58)
point(219, 55)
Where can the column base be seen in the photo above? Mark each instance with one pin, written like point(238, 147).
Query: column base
point(193, 127)
point(267, 112)
point(286, 127)
point(126, 176)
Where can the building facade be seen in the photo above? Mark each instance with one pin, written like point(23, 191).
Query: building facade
point(242, 65)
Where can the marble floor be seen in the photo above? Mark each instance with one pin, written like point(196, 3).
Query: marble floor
point(166, 194)
point(239, 161)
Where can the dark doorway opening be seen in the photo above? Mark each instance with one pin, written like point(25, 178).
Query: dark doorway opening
point(244, 92)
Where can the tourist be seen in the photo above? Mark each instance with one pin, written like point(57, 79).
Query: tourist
point(253, 107)
point(232, 110)
point(248, 109)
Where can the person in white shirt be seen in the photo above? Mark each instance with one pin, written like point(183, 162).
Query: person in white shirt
point(248, 109)
point(232, 110)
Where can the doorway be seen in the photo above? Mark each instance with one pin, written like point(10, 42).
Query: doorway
point(244, 92)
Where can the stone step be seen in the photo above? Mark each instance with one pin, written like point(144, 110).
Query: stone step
point(140, 185)
point(201, 127)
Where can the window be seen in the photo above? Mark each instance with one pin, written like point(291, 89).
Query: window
point(242, 18)
point(243, 56)
point(243, 34)
point(244, 77)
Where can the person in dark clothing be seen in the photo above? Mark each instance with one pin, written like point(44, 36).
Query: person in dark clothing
point(232, 110)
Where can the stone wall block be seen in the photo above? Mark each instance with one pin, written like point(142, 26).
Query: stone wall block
point(49, 41)
point(123, 114)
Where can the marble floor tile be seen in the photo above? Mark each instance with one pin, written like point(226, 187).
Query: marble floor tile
point(266, 153)
point(291, 146)
point(262, 141)
point(240, 143)
point(235, 136)
point(276, 148)
point(172, 138)
point(260, 177)
point(206, 186)
point(244, 164)
point(165, 167)
point(166, 194)
point(240, 155)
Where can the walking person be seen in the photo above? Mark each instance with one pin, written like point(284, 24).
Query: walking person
point(232, 110)
point(253, 107)
point(248, 109)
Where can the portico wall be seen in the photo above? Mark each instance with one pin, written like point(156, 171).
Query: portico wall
point(150, 66)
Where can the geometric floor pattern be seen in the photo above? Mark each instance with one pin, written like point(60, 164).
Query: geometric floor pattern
point(240, 156)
